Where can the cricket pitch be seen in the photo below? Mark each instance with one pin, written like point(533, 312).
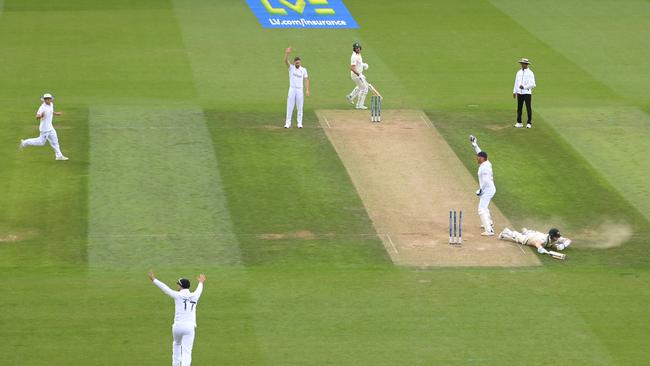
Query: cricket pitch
point(409, 178)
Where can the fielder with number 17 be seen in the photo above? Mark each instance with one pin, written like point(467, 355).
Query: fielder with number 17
point(184, 317)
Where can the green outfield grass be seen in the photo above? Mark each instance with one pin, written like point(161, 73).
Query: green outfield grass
point(172, 115)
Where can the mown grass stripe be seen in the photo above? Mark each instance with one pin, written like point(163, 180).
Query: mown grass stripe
point(155, 191)
point(613, 140)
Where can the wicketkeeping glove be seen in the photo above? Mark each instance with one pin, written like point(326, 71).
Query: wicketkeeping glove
point(472, 139)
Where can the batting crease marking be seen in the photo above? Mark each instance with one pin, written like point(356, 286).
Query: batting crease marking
point(326, 121)
point(426, 121)
point(392, 244)
point(518, 246)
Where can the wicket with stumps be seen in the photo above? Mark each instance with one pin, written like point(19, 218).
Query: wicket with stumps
point(455, 235)
point(375, 108)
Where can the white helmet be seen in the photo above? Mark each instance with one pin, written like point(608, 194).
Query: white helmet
point(47, 95)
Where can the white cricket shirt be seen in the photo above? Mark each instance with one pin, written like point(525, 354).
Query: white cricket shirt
point(296, 75)
point(185, 302)
point(485, 177)
point(357, 61)
point(46, 120)
point(527, 79)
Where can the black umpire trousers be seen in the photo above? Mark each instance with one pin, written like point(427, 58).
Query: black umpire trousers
point(521, 98)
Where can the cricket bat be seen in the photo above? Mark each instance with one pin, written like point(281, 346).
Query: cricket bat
point(374, 90)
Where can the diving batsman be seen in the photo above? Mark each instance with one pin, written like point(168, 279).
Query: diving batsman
point(542, 241)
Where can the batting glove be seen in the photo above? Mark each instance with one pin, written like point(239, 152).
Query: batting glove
point(479, 192)
point(472, 139)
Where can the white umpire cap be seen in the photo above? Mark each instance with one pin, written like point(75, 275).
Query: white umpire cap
point(524, 61)
point(47, 95)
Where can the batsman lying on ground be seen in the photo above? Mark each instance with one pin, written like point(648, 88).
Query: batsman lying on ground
point(539, 240)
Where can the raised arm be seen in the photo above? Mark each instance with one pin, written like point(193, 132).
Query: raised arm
point(474, 142)
point(199, 288)
point(286, 56)
point(171, 293)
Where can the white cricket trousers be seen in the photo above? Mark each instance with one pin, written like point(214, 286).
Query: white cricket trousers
point(360, 90)
point(183, 341)
point(49, 136)
point(484, 210)
point(294, 99)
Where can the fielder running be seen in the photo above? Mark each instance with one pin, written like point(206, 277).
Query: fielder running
point(297, 74)
point(45, 114)
point(184, 318)
point(356, 73)
point(486, 190)
point(539, 240)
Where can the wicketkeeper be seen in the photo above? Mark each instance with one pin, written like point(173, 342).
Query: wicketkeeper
point(543, 242)
point(486, 189)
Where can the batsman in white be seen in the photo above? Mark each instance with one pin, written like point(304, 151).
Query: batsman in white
point(184, 318)
point(539, 240)
point(486, 189)
point(356, 73)
point(45, 115)
point(297, 74)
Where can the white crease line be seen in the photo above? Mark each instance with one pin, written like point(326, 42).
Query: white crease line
point(326, 121)
point(141, 128)
point(392, 244)
point(518, 246)
point(425, 120)
point(221, 235)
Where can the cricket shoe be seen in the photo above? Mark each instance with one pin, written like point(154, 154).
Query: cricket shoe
point(505, 233)
point(487, 233)
point(287, 126)
point(61, 157)
point(362, 107)
point(299, 126)
point(350, 99)
point(22, 144)
point(518, 125)
point(528, 125)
